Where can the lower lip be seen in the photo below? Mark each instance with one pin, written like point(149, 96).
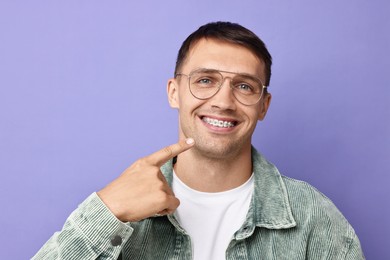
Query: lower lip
point(216, 129)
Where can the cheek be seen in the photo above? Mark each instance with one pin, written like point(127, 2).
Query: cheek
point(188, 104)
point(253, 114)
point(185, 99)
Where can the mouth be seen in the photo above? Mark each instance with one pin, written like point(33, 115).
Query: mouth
point(219, 123)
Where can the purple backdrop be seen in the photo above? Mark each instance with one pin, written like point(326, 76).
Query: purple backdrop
point(82, 95)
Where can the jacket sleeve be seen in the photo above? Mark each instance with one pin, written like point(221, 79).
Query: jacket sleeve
point(355, 251)
point(90, 232)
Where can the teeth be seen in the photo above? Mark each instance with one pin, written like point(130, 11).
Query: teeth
point(218, 123)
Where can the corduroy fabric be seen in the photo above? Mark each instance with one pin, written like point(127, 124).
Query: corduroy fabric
point(287, 219)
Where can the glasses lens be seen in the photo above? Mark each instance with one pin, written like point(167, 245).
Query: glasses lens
point(248, 90)
point(205, 83)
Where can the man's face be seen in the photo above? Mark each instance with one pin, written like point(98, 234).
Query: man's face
point(197, 117)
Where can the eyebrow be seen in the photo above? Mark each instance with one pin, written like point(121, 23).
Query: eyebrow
point(231, 72)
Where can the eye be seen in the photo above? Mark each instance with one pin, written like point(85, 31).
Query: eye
point(204, 81)
point(244, 88)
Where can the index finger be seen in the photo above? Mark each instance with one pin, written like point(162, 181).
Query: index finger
point(162, 156)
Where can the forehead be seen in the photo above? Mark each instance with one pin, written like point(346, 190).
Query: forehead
point(224, 56)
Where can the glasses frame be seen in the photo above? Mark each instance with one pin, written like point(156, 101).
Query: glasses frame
point(263, 89)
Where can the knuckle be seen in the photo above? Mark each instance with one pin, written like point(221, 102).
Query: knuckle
point(136, 167)
point(163, 197)
point(142, 161)
point(181, 145)
point(155, 171)
point(160, 186)
point(168, 151)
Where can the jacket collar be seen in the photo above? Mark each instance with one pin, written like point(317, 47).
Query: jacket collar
point(270, 207)
point(270, 204)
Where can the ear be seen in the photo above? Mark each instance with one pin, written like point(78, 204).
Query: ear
point(264, 105)
point(173, 93)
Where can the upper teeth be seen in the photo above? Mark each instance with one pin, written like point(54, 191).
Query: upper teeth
point(218, 123)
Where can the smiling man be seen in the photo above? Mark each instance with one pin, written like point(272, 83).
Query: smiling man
point(211, 195)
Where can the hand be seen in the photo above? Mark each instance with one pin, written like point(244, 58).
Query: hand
point(141, 191)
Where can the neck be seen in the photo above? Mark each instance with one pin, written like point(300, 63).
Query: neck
point(207, 174)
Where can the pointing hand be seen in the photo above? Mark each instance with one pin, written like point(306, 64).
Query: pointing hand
point(141, 191)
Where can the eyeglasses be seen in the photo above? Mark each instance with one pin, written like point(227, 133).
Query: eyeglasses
point(205, 83)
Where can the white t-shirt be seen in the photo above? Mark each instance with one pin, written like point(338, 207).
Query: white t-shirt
point(211, 219)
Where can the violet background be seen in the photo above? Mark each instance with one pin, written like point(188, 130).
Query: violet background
point(82, 96)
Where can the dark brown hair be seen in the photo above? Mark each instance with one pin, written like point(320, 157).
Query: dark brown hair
point(229, 32)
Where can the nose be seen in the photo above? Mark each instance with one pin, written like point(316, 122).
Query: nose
point(224, 99)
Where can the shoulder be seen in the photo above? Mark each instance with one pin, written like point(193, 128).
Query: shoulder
point(312, 208)
point(304, 198)
point(306, 202)
point(320, 220)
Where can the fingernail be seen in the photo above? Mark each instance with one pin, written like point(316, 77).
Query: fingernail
point(189, 141)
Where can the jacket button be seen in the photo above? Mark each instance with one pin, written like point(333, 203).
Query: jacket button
point(116, 240)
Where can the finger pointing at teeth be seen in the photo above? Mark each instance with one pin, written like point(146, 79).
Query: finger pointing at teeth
point(141, 191)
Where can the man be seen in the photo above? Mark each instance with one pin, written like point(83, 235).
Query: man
point(211, 195)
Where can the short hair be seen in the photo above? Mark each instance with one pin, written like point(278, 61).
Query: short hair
point(232, 33)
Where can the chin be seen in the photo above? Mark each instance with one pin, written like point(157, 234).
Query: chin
point(218, 150)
